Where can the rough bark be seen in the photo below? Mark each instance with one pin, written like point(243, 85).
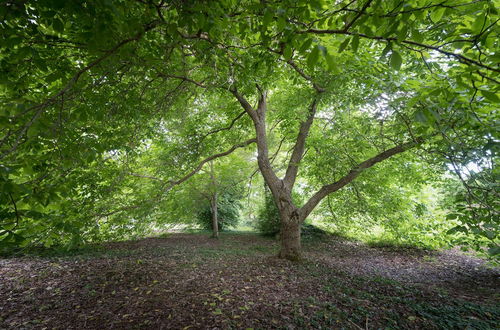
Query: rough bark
point(298, 149)
point(290, 239)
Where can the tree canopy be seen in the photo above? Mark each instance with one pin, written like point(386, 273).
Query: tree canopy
point(107, 106)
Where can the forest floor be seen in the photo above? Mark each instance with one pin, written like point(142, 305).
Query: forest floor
point(190, 281)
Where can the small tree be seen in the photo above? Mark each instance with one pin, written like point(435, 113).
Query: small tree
point(228, 211)
point(220, 188)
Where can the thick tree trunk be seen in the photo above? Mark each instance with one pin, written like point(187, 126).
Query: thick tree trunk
point(290, 240)
point(215, 222)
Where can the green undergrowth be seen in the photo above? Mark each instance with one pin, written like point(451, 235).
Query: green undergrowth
point(381, 239)
point(361, 301)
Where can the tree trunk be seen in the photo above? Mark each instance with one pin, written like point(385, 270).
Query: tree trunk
point(215, 222)
point(213, 202)
point(290, 240)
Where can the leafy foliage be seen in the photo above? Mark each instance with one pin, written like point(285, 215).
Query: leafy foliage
point(107, 106)
point(268, 218)
point(228, 211)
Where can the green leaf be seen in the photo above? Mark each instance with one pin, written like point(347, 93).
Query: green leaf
point(281, 23)
point(268, 17)
point(396, 60)
point(32, 131)
point(386, 50)
point(313, 57)
point(417, 36)
point(305, 46)
point(332, 65)
point(287, 52)
point(494, 250)
point(355, 43)
point(58, 25)
point(456, 229)
point(437, 14)
point(217, 311)
point(343, 45)
point(421, 117)
point(478, 24)
point(493, 97)
point(490, 234)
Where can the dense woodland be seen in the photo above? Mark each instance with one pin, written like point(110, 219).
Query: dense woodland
point(375, 121)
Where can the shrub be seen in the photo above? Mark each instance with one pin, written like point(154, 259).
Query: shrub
point(268, 219)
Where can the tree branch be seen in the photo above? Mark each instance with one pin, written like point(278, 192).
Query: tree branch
point(194, 82)
point(145, 176)
point(224, 128)
point(244, 103)
point(358, 15)
point(298, 149)
point(70, 84)
point(259, 120)
point(307, 208)
point(206, 160)
point(459, 57)
point(15, 209)
point(305, 76)
point(173, 183)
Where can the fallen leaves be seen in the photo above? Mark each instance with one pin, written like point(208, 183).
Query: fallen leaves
point(190, 282)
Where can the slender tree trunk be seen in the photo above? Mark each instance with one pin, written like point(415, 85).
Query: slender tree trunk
point(213, 203)
point(290, 239)
point(215, 221)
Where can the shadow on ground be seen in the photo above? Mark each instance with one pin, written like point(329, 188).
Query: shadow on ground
point(191, 281)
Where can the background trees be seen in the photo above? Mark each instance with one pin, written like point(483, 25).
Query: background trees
point(108, 106)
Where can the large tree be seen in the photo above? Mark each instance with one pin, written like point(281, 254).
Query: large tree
point(343, 85)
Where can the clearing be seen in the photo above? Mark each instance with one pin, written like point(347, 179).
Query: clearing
point(190, 281)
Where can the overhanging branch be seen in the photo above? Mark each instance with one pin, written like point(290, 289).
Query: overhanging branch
point(461, 58)
point(173, 183)
point(206, 160)
point(353, 174)
point(53, 99)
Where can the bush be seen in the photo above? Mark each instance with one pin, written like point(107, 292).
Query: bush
point(311, 231)
point(268, 219)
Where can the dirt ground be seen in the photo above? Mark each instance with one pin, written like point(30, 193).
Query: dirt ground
point(190, 281)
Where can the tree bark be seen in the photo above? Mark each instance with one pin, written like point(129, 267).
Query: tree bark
point(292, 217)
point(213, 202)
point(290, 239)
point(215, 222)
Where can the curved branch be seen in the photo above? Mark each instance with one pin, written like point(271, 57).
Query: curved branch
point(244, 103)
point(70, 84)
point(307, 208)
point(358, 15)
point(173, 183)
point(194, 82)
point(259, 120)
point(224, 128)
point(305, 76)
point(459, 57)
point(206, 160)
